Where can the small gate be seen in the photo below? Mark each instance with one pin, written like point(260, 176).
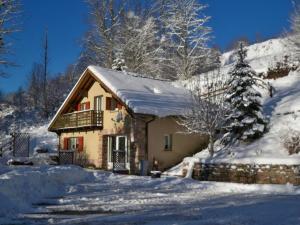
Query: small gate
point(66, 157)
point(119, 160)
point(21, 144)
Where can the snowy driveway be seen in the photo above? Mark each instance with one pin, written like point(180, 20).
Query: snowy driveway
point(117, 199)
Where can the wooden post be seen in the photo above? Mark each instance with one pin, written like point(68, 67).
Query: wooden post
point(76, 120)
point(14, 143)
point(28, 139)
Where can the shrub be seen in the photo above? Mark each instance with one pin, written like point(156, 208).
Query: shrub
point(291, 141)
point(280, 69)
point(81, 159)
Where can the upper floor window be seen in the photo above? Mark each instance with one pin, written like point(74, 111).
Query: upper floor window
point(168, 142)
point(112, 104)
point(83, 106)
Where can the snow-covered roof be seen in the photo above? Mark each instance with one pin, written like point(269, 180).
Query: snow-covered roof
point(145, 95)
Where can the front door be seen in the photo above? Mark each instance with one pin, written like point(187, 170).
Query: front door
point(118, 158)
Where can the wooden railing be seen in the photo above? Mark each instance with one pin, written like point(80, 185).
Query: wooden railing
point(89, 118)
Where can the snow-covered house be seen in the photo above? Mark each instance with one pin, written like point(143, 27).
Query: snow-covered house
point(125, 121)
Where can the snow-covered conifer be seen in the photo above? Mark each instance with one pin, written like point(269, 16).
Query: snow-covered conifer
point(119, 63)
point(245, 120)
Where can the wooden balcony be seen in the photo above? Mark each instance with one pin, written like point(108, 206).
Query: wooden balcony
point(80, 119)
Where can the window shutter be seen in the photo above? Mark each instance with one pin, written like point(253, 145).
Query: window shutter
point(65, 147)
point(119, 105)
point(108, 103)
point(171, 142)
point(78, 107)
point(88, 105)
point(80, 144)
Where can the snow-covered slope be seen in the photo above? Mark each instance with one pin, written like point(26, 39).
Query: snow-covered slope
point(283, 110)
point(261, 56)
point(26, 121)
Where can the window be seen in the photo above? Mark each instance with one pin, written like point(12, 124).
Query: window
point(83, 106)
point(112, 104)
point(98, 103)
point(168, 142)
point(73, 143)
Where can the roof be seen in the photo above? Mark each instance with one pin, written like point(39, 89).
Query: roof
point(141, 94)
point(145, 95)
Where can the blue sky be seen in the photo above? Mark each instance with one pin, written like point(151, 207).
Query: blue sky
point(66, 24)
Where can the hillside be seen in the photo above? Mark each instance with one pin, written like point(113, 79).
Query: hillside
point(26, 121)
point(283, 110)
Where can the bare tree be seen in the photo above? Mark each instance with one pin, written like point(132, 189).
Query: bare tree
point(207, 111)
point(141, 47)
point(35, 85)
point(186, 36)
point(45, 77)
point(9, 12)
point(101, 41)
point(294, 36)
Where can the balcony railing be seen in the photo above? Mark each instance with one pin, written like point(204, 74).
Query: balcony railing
point(88, 118)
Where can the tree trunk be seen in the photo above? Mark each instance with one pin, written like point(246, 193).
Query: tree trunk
point(211, 146)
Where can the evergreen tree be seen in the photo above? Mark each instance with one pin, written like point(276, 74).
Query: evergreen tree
point(245, 120)
point(119, 63)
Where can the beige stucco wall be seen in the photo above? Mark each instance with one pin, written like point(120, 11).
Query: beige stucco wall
point(183, 144)
point(91, 144)
point(93, 138)
point(109, 124)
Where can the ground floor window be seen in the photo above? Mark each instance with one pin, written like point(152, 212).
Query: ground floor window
point(73, 143)
point(168, 142)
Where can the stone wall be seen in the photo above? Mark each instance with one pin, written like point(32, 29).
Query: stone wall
point(246, 173)
point(139, 146)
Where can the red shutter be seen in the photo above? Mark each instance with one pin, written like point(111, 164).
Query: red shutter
point(65, 147)
point(88, 105)
point(80, 144)
point(108, 103)
point(119, 105)
point(78, 107)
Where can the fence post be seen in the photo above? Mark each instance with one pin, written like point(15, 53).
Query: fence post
point(28, 146)
point(14, 144)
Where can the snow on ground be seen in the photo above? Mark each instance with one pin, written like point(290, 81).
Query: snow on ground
point(70, 195)
point(42, 138)
point(283, 110)
point(261, 55)
point(22, 186)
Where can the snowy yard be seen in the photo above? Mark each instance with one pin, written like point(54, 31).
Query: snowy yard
point(70, 195)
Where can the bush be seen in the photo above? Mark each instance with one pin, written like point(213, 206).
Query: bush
point(291, 141)
point(81, 159)
point(280, 69)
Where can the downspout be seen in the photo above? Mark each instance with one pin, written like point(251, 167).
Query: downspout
point(147, 135)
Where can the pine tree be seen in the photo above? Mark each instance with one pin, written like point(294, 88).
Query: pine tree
point(119, 63)
point(245, 120)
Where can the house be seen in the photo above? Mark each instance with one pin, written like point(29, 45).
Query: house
point(125, 121)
